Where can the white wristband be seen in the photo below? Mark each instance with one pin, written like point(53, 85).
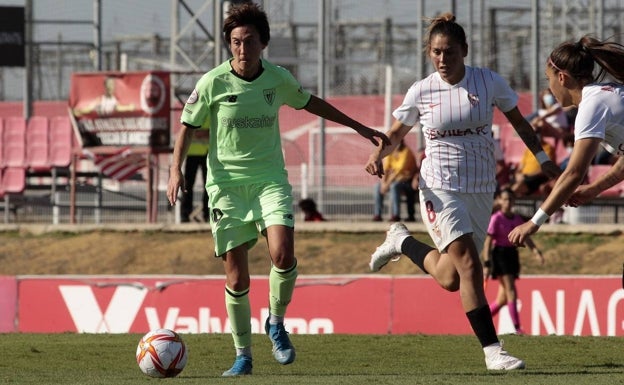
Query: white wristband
point(540, 217)
point(542, 157)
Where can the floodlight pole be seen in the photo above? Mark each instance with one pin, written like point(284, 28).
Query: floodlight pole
point(28, 58)
point(321, 93)
point(97, 34)
point(535, 44)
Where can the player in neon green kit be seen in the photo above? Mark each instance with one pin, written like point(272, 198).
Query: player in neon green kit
point(247, 183)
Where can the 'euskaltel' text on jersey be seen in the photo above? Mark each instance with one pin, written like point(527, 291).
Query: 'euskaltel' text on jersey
point(242, 117)
point(456, 121)
point(601, 115)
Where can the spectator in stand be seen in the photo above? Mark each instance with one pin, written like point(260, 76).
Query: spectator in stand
point(310, 211)
point(504, 170)
point(529, 177)
point(502, 261)
point(400, 169)
point(551, 119)
point(568, 144)
point(195, 160)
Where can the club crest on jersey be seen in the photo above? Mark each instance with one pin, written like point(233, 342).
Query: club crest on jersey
point(474, 99)
point(192, 99)
point(269, 96)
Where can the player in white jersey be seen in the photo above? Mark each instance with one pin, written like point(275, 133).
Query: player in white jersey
point(570, 69)
point(247, 184)
point(454, 107)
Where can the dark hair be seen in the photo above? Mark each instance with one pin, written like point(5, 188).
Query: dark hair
point(579, 58)
point(247, 14)
point(445, 24)
point(307, 204)
point(507, 191)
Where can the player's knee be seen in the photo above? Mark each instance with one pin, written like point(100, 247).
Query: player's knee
point(450, 283)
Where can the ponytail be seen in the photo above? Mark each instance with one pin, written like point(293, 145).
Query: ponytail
point(579, 59)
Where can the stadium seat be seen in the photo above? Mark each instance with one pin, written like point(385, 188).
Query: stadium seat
point(13, 180)
point(60, 141)
point(14, 142)
point(37, 143)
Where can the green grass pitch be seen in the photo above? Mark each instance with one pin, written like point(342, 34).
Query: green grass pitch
point(321, 359)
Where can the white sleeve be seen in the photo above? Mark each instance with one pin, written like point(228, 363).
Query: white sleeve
point(591, 119)
point(408, 113)
point(505, 97)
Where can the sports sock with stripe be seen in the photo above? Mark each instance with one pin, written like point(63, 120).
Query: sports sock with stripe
point(281, 288)
point(239, 313)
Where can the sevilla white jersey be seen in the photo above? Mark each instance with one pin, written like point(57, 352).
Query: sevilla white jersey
point(601, 115)
point(456, 121)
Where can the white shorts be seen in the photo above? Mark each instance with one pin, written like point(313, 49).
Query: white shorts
point(448, 215)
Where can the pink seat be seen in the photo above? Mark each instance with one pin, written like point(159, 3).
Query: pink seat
point(37, 143)
point(14, 142)
point(13, 180)
point(60, 137)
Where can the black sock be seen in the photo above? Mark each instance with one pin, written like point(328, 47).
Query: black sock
point(482, 325)
point(416, 251)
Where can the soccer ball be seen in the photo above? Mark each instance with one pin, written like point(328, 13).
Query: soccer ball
point(161, 353)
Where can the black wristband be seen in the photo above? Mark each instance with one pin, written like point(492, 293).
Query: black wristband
point(487, 263)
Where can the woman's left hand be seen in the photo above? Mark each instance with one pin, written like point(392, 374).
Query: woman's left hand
point(518, 235)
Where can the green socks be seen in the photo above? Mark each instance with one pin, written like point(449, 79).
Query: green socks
point(281, 287)
point(239, 312)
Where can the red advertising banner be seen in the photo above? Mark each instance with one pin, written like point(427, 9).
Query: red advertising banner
point(321, 305)
point(122, 108)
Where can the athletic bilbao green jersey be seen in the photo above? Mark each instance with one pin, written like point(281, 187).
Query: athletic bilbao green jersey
point(242, 117)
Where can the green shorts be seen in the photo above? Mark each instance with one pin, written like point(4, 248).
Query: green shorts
point(239, 213)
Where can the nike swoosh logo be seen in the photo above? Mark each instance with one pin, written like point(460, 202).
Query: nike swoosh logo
point(431, 105)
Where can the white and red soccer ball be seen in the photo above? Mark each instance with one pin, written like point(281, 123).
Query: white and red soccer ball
point(161, 353)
